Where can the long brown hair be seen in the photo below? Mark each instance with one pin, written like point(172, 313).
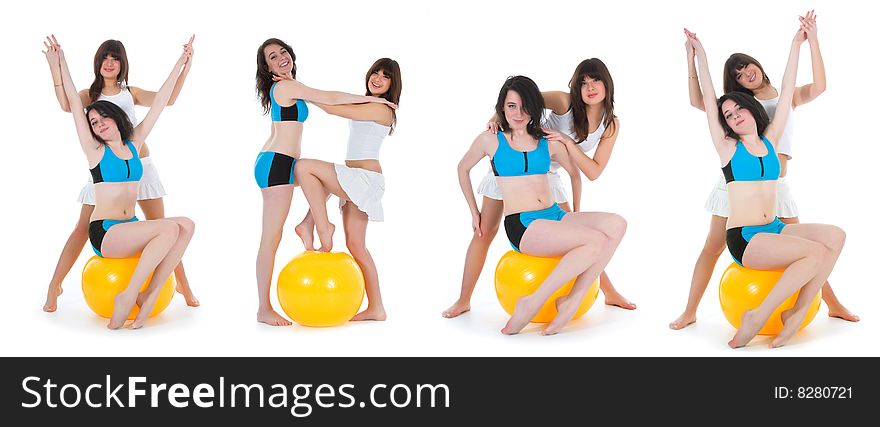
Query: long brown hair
point(595, 69)
point(116, 50)
point(733, 65)
point(391, 69)
point(532, 103)
point(264, 76)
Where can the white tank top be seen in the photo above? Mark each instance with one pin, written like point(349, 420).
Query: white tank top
point(123, 100)
point(365, 140)
point(564, 123)
point(783, 146)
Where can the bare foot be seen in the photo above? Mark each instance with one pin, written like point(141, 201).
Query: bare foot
point(146, 308)
point(122, 305)
point(270, 317)
point(523, 313)
point(566, 307)
point(52, 299)
point(840, 312)
point(377, 314)
point(457, 309)
point(306, 232)
point(686, 319)
point(184, 289)
point(326, 238)
point(749, 327)
point(791, 321)
point(616, 299)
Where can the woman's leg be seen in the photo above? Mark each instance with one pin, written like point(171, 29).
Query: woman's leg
point(155, 209)
point(354, 222)
point(832, 238)
point(835, 307)
point(490, 219)
point(613, 226)
point(72, 248)
point(152, 240)
point(147, 300)
point(317, 178)
point(712, 249)
point(803, 261)
point(276, 206)
point(579, 247)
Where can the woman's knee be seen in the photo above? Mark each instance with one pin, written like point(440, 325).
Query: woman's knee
point(836, 238)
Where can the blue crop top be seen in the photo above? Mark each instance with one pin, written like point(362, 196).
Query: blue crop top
point(298, 112)
point(743, 166)
point(509, 162)
point(114, 169)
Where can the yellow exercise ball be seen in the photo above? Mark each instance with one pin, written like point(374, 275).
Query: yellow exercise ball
point(518, 275)
point(104, 278)
point(321, 288)
point(744, 289)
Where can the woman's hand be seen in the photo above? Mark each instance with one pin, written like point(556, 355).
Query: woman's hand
point(688, 45)
point(53, 51)
point(694, 42)
point(187, 51)
point(808, 26)
point(494, 127)
point(555, 135)
point(475, 223)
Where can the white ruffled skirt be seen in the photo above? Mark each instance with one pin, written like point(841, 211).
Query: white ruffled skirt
point(365, 188)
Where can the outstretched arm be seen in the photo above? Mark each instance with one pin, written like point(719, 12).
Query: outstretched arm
point(145, 97)
point(55, 68)
point(477, 151)
point(55, 56)
point(809, 92)
point(161, 99)
point(694, 91)
point(371, 112)
point(710, 106)
point(289, 88)
point(777, 123)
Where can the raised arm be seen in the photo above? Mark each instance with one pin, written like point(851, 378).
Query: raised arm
point(288, 88)
point(809, 92)
point(559, 153)
point(559, 102)
point(786, 94)
point(710, 104)
point(694, 91)
point(55, 56)
point(55, 68)
point(475, 153)
point(371, 112)
point(145, 97)
point(160, 100)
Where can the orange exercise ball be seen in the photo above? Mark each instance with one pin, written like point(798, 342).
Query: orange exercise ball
point(321, 288)
point(518, 275)
point(104, 278)
point(744, 289)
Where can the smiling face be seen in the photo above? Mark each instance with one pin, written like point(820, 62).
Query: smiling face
point(278, 59)
point(592, 91)
point(750, 77)
point(110, 67)
point(737, 117)
point(517, 117)
point(103, 127)
point(379, 83)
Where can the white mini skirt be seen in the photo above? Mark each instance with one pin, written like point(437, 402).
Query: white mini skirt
point(365, 188)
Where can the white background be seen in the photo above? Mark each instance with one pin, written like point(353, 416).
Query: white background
point(454, 57)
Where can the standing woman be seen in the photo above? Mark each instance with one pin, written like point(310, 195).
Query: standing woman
point(111, 144)
point(534, 222)
point(111, 84)
point(584, 114)
point(742, 73)
point(359, 183)
point(283, 97)
point(745, 139)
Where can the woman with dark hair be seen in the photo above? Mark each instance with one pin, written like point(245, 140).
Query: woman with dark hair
point(534, 222)
point(742, 73)
point(582, 118)
point(111, 84)
point(358, 183)
point(745, 139)
point(111, 144)
point(283, 97)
